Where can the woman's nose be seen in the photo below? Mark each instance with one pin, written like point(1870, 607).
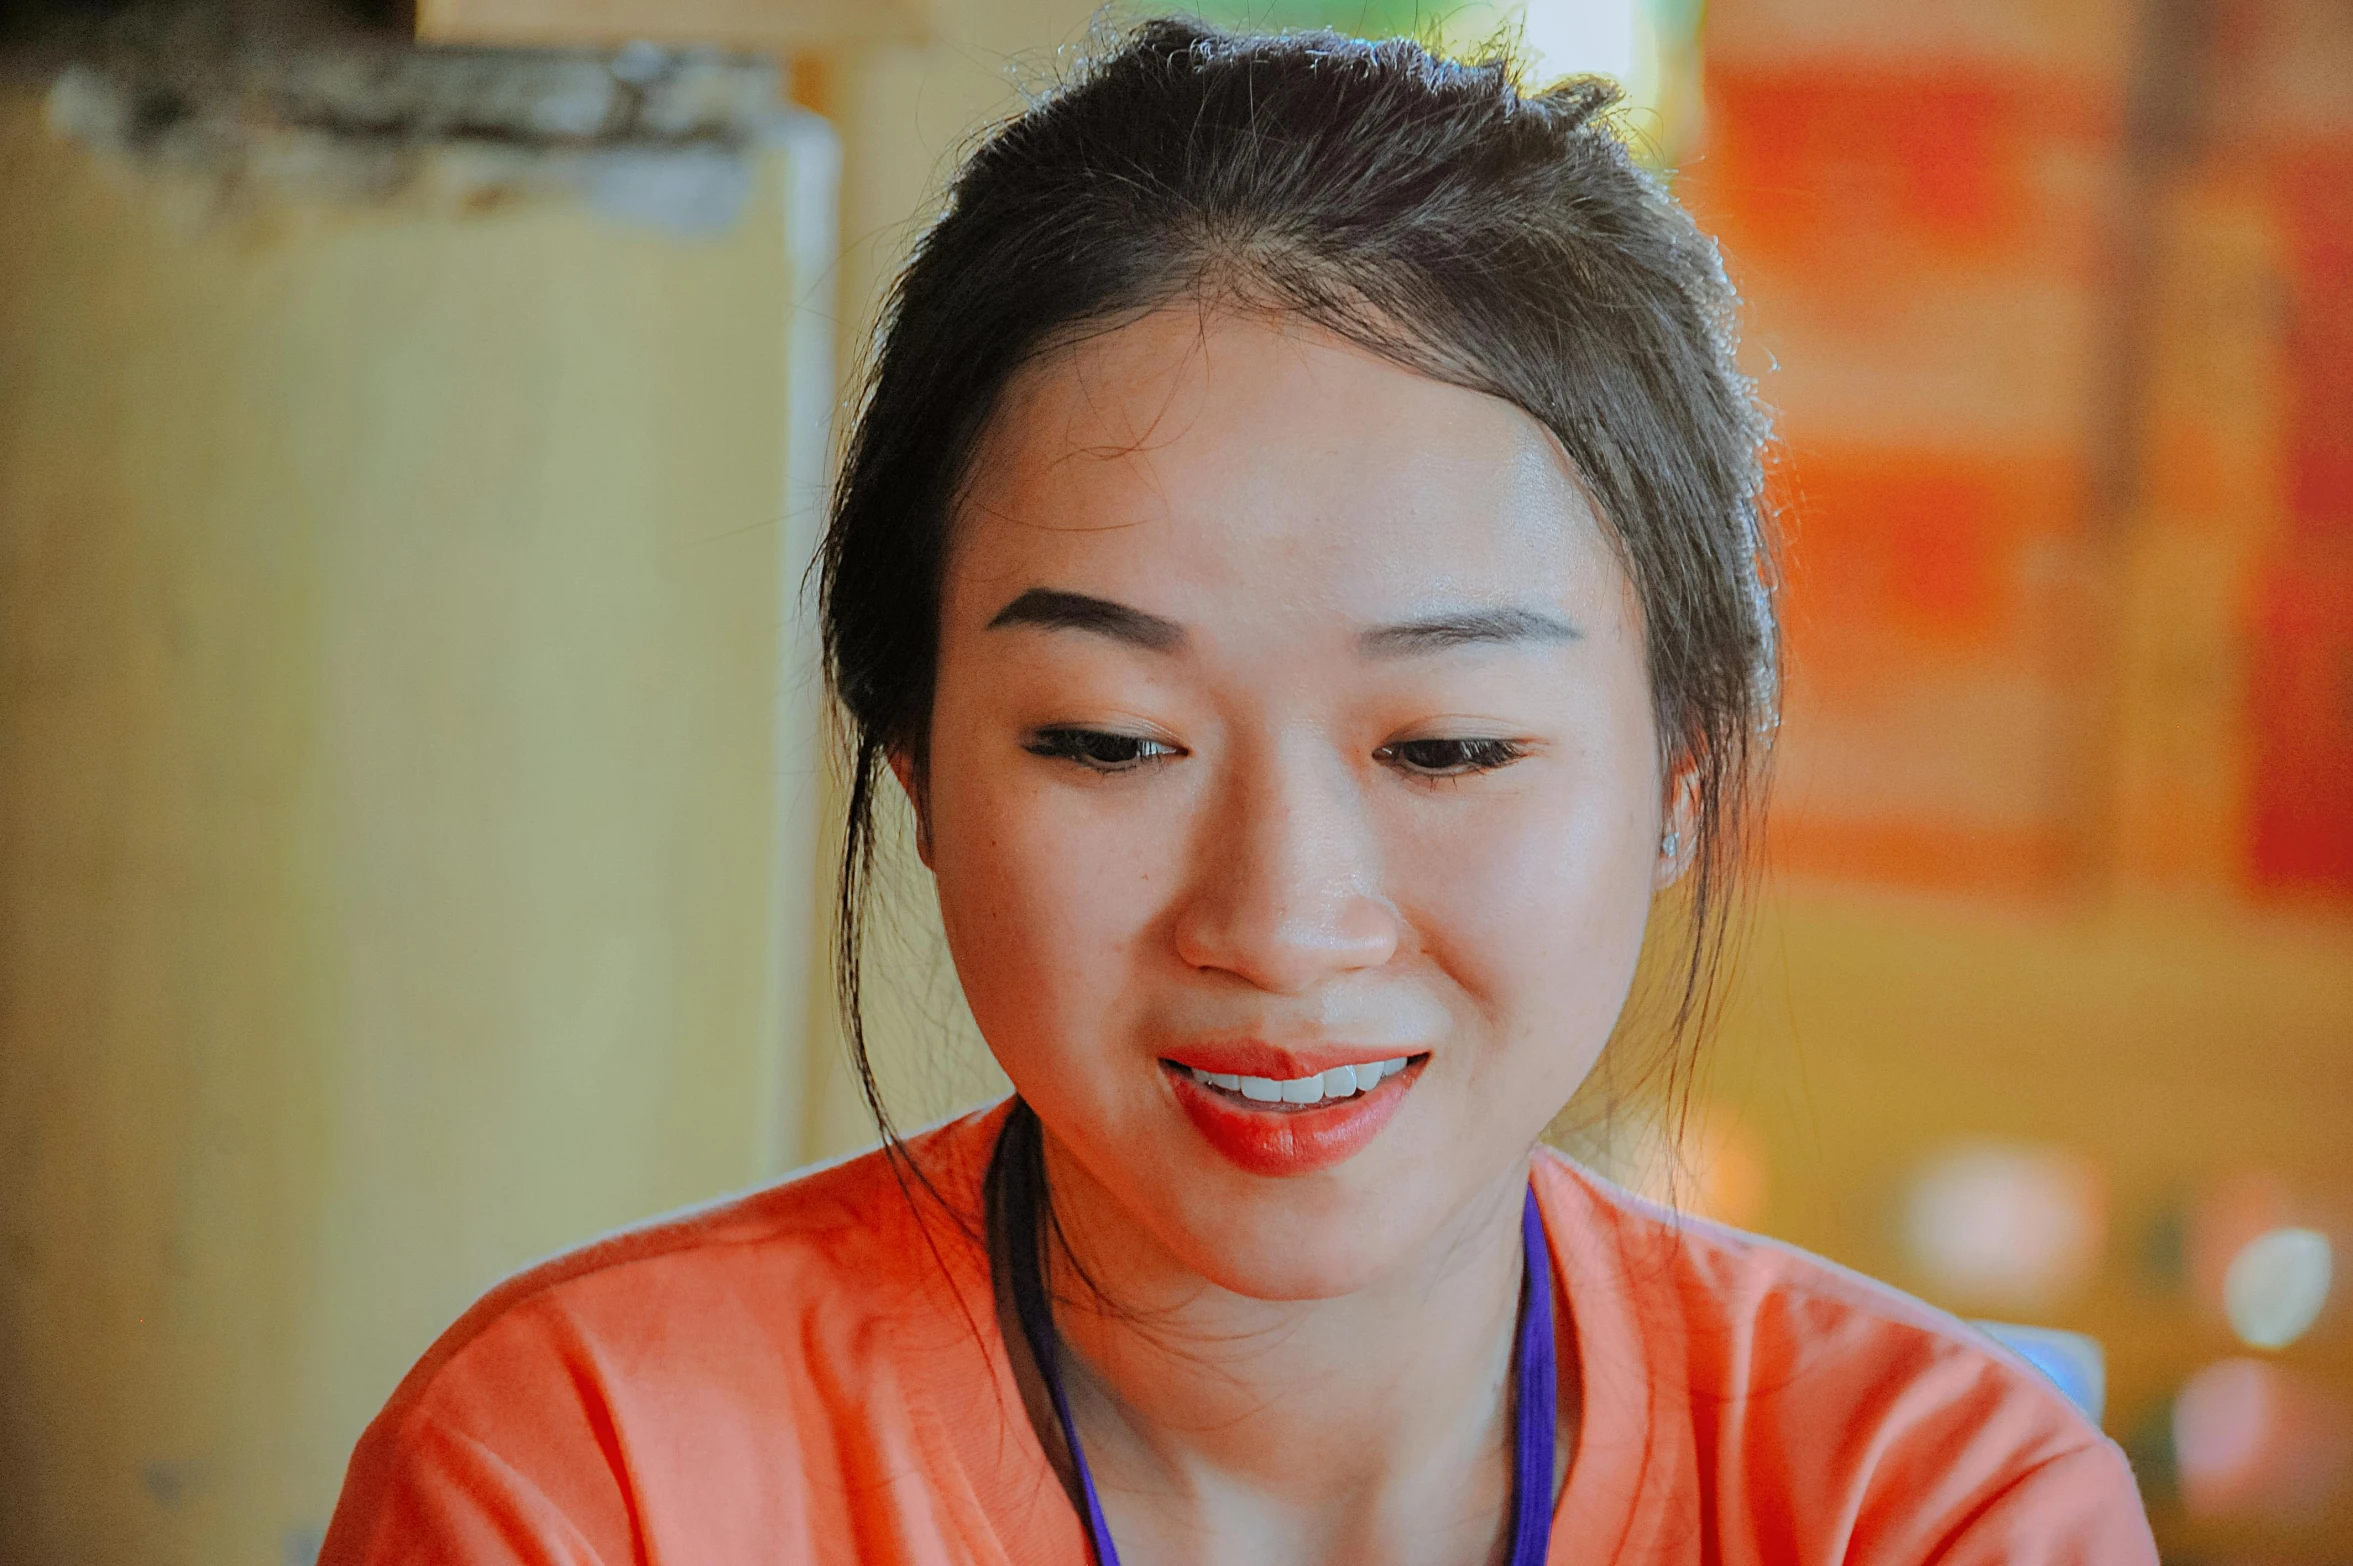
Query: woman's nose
point(1286, 879)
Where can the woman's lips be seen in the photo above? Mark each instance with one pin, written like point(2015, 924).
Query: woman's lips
point(1290, 1139)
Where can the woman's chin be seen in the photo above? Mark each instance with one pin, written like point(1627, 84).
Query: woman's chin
point(1293, 1239)
point(1275, 1266)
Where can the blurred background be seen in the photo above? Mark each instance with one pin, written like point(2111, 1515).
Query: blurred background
point(413, 796)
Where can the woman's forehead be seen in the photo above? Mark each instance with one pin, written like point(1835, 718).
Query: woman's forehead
point(1218, 448)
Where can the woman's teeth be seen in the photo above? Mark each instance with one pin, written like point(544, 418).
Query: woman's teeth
point(1339, 1082)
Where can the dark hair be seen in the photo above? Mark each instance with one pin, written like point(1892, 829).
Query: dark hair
point(1434, 212)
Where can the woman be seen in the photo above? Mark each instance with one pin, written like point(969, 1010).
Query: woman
point(1301, 558)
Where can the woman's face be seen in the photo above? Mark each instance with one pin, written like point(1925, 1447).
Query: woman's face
point(1292, 715)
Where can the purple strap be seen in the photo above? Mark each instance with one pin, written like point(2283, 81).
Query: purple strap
point(1535, 1394)
point(1535, 1413)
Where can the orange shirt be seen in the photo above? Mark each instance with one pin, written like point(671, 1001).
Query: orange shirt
point(802, 1375)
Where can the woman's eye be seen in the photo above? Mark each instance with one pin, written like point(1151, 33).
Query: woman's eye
point(1440, 758)
point(1096, 748)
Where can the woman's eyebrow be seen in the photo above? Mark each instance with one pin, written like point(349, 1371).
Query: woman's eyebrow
point(1058, 611)
point(1436, 633)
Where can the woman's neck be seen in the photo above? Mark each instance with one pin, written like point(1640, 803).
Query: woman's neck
point(1373, 1427)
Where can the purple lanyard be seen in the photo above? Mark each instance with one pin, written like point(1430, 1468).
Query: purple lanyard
point(1535, 1377)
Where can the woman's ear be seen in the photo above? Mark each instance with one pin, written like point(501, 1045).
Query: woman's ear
point(909, 772)
point(1678, 830)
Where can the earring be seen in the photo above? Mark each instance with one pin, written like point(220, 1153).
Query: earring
point(1670, 844)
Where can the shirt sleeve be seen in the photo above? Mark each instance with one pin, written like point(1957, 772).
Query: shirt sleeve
point(2080, 1508)
point(502, 1449)
point(442, 1494)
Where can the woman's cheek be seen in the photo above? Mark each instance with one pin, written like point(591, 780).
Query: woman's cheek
point(1538, 913)
point(1040, 901)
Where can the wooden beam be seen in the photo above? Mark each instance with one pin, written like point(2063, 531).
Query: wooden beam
point(767, 26)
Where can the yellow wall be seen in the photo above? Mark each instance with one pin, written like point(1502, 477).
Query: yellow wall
point(390, 788)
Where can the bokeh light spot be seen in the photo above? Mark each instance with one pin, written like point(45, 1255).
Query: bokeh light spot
point(2252, 1441)
point(2002, 1224)
point(2276, 1286)
point(2222, 1424)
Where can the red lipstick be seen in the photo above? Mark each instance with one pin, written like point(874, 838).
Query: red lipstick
point(1272, 1140)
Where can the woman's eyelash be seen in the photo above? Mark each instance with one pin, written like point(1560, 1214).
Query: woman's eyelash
point(1103, 750)
point(1098, 748)
point(1440, 758)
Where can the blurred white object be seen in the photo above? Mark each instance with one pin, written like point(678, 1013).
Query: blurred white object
point(1575, 37)
point(2075, 1364)
point(2276, 1286)
point(1997, 1224)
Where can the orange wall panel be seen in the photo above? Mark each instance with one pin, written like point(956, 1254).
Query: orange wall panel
point(1919, 551)
point(2300, 706)
point(2315, 198)
point(1875, 165)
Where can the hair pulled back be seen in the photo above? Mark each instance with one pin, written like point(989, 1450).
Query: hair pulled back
point(1431, 211)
